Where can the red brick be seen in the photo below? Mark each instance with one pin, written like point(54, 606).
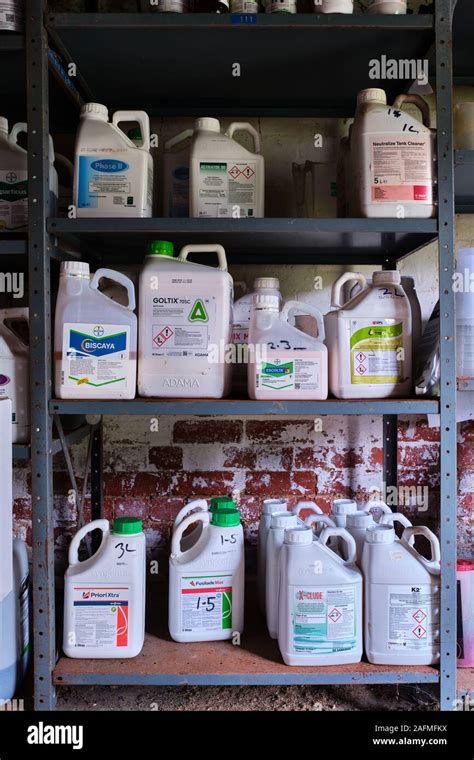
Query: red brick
point(279, 430)
point(466, 457)
point(466, 434)
point(419, 457)
point(261, 483)
point(22, 509)
point(274, 458)
point(345, 458)
point(376, 457)
point(165, 509)
point(240, 458)
point(166, 457)
point(303, 483)
point(194, 484)
point(250, 508)
point(117, 484)
point(145, 484)
point(208, 431)
point(308, 457)
point(131, 508)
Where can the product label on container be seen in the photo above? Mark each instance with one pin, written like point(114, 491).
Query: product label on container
point(11, 15)
point(182, 326)
point(243, 6)
point(401, 168)
point(413, 617)
point(111, 182)
point(206, 603)
point(95, 355)
point(169, 6)
point(226, 184)
point(13, 200)
point(376, 351)
point(279, 373)
point(324, 619)
point(100, 616)
point(280, 6)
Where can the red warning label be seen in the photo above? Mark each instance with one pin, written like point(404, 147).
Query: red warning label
point(165, 334)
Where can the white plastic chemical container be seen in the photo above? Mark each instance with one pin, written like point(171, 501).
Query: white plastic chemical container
point(284, 362)
point(226, 179)
point(387, 6)
point(464, 312)
point(357, 524)
point(197, 505)
point(465, 631)
point(176, 175)
point(334, 6)
point(14, 371)
point(112, 176)
point(307, 506)
point(185, 317)
point(206, 582)
point(269, 508)
point(104, 595)
point(95, 339)
point(243, 6)
point(369, 338)
point(392, 158)
point(340, 509)
point(12, 16)
point(281, 521)
point(320, 604)
point(6, 498)
point(402, 598)
point(15, 625)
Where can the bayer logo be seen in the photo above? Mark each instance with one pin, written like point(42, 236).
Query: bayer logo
point(98, 331)
point(11, 177)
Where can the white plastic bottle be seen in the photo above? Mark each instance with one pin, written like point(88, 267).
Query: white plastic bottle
point(12, 15)
point(14, 371)
point(197, 505)
point(392, 158)
point(226, 180)
point(402, 598)
point(387, 6)
point(185, 314)
point(369, 338)
point(281, 521)
point(6, 498)
point(340, 509)
point(241, 326)
point(176, 175)
point(243, 6)
point(206, 582)
point(464, 312)
point(13, 179)
point(307, 506)
point(284, 362)
point(15, 625)
point(112, 176)
point(104, 595)
point(270, 507)
point(95, 338)
point(334, 6)
point(320, 604)
point(280, 6)
point(357, 524)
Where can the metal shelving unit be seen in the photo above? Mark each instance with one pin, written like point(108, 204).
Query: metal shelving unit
point(191, 49)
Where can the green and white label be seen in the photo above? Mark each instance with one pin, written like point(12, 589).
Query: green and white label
point(95, 355)
point(206, 603)
point(323, 619)
point(13, 200)
point(278, 373)
point(376, 351)
point(182, 326)
point(225, 186)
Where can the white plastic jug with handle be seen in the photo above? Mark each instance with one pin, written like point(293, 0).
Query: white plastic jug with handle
point(402, 597)
point(369, 338)
point(464, 312)
point(198, 505)
point(316, 584)
point(104, 595)
point(14, 371)
point(206, 582)
point(226, 180)
point(113, 177)
point(357, 524)
point(340, 509)
point(15, 625)
point(95, 338)
point(269, 508)
point(185, 322)
point(392, 158)
point(306, 506)
point(281, 521)
point(176, 175)
point(6, 499)
point(284, 362)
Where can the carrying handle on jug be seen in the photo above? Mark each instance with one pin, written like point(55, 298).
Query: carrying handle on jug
point(337, 286)
point(142, 119)
point(393, 517)
point(418, 101)
point(184, 135)
point(307, 505)
point(16, 314)
point(204, 517)
point(102, 525)
point(319, 520)
point(205, 248)
point(198, 505)
point(377, 504)
point(303, 309)
point(408, 536)
point(244, 126)
point(122, 279)
point(326, 534)
point(17, 129)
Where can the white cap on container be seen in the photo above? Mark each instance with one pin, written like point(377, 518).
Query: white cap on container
point(380, 534)
point(270, 506)
point(359, 520)
point(266, 301)
point(269, 283)
point(284, 520)
point(96, 109)
point(299, 535)
point(208, 124)
point(76, 268)
point(3, 124)
point(387, 276)
point(344, 506)
point(372, 95)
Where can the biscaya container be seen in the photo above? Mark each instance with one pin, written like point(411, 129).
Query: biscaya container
point(320, 604)
point(369, 338)
point(95, 338)
point(281, 521)
point(104, 595)
point(269, 508)
point(206, 581)
point(185, 319)
point(14, 370)
point(402, 597)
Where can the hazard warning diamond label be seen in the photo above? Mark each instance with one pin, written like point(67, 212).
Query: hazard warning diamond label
point(234, 172)
point(419, 616)
point(360, 356)
point(335, 615)
point(419, 631)
point(165, 334)
point(248, 172)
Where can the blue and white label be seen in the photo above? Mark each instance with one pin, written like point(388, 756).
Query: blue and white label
point(95, 355)
point(104, 178)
